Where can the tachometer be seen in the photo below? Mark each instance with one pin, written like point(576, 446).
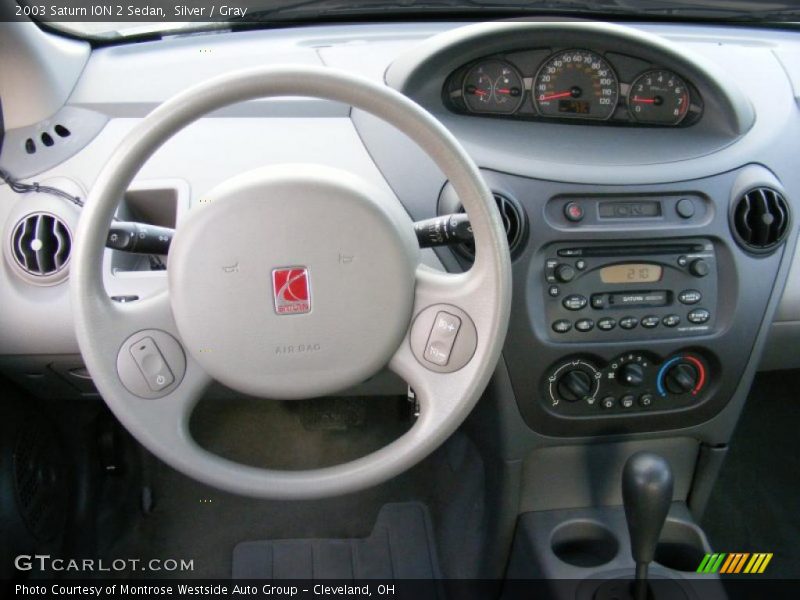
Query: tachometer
point(658, 96)
point(576, 84)
point(493, 86)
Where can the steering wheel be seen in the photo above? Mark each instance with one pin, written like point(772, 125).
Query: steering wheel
point(292, 282)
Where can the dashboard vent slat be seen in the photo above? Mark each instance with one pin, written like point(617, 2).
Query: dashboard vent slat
point(41, 245)
point(760, 219)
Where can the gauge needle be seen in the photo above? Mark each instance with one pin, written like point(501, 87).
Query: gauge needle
point(503, 91)
point(644, 100)
point(481, 93)
point(554, 96)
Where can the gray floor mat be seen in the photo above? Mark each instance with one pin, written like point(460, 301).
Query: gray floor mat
point(401, 546)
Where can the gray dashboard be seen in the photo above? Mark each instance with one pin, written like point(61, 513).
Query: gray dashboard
point(749, 80)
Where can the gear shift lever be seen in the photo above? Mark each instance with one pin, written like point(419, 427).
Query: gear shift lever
point(646, 494)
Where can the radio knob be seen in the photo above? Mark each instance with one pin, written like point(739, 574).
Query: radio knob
point(698, 267)
point(565, 273)
point(574, 385)
point(632, 374)
point(680, 378)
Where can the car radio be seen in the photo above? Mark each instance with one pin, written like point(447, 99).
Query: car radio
point(602, 291)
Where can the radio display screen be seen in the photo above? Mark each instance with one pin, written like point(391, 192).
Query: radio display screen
point(631, 273)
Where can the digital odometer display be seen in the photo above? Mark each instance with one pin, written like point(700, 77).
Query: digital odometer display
point(631, 273)
point(577, 107)
point(576, 84)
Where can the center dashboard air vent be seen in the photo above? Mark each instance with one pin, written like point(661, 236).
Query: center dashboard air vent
point(760, 219)
point(41, 244)
point(513, 222)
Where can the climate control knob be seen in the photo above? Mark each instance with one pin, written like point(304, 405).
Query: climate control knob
point(680, 378)
point(631, 374)
point(574, 385)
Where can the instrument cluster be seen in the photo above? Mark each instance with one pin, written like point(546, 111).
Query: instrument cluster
point(574, 84)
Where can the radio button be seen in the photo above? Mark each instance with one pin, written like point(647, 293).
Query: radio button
point(627, 400)
point(553, 291)
point(689, 297)
point(682, 261)
point(699, 268)
point(584, 325)
point(562, 326)
point(650, 321)
point(606, 324)
point(685, 208)
point(574, 302)
point(628, 322)
point(580, 264)
point(671, 320)
point(565, 273)
point(598, 301)
point(699, 316)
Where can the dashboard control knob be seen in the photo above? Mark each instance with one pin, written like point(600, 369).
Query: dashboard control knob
point(632, 374)
point(574, 385)
point(565, 273)
point(681, 378)
point(698, 267)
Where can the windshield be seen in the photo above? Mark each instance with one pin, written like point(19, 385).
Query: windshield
point(131, 18)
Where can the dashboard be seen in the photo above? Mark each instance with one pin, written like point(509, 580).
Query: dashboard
point(646, 175)
point(574, 84)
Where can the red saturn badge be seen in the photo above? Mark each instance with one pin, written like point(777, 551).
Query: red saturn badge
point(291, 289)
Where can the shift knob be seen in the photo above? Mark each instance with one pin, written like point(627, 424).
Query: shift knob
point(647, 494)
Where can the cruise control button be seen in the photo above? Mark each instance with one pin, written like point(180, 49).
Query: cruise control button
point(627, 400)
point(650, 321)
point(562, 326)
point(441, 339)
point(584, 325)
point(645, 400)
point(628, 322)
point(574, 302)
point(151, 363)
point(606, 324)
point(671, 320)
point(608, 402)
point(689, 297)
point(699, 316)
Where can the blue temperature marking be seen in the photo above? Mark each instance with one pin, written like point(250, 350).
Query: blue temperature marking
point(659, 377)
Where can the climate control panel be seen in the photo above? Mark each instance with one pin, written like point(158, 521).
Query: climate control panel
point(632, 382)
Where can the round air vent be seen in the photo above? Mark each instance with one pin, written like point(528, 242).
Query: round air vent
point(513, 222)
point(40, 246)
point(760, 219)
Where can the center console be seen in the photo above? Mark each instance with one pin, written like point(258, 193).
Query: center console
point(636, 308)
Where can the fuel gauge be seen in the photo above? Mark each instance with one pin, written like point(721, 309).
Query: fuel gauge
point(659, 97)
point(493, 86)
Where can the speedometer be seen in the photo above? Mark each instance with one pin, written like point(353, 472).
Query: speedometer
point(576, 84)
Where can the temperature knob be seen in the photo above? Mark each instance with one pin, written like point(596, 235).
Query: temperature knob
point(680, 378)
point(683, 374)
point(574, 385)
